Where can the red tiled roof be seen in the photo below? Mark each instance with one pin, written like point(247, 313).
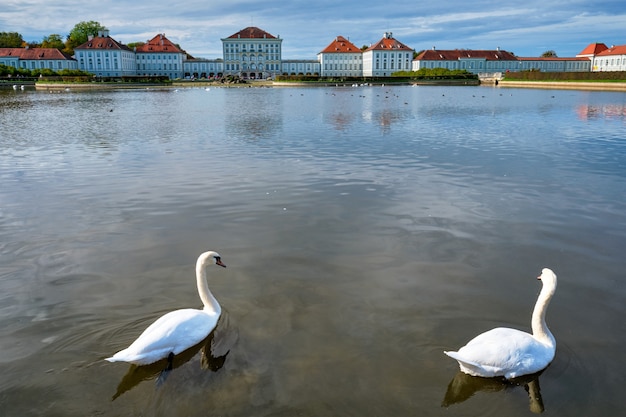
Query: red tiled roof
point(593, 49)
point(159, 44)
point(613, 50)
point(389, 43)
point(340, 44)
point(103, 42)
point(456, 54)
point(252, 33)
point(34, 53)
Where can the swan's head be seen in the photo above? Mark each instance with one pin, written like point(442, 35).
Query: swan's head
point(548, 277)
point(210, 258)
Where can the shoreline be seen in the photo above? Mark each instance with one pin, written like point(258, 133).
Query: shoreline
point(249, 84)
point(566, 85)
point(596, 86)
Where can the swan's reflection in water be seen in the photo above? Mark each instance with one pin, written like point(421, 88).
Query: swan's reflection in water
point(464, 386)
point(213, 352)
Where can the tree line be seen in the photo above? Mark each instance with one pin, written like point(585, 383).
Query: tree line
point(77, 36)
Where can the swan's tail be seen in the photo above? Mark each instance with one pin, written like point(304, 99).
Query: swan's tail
point(457, 356)
point(472, 368)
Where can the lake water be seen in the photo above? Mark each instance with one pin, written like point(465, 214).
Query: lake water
point(366, 230)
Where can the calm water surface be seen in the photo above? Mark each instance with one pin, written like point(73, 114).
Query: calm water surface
point(365, 231)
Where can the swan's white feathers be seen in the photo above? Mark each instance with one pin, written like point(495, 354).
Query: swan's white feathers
point(178, 330)
point(174, 332)
point(512, 353)
point(503, 352)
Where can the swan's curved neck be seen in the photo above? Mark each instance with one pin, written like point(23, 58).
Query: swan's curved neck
point(210, 303)
point(540, 328)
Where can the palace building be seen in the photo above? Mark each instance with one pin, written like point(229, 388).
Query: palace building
point(341, 58)
point(386, 56)
point(252, 53)
point(37, 58)
point(159, 56)
point(104, 56)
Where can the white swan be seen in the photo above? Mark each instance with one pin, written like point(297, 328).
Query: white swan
point(180, 329)
point(512, 353)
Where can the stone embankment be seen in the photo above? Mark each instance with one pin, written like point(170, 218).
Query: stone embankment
point(566, 85)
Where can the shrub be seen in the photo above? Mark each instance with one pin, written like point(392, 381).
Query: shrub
point(534, 75)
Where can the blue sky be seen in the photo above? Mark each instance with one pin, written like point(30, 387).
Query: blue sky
point(526, 28)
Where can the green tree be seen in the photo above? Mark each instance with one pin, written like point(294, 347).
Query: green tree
point(80, 34)
point(11, 40)
point(53, 41)
point(135, 44)
point(549, 54)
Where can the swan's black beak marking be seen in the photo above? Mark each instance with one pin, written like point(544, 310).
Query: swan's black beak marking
point(218, 261)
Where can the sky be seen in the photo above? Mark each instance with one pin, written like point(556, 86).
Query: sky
point(527, 28)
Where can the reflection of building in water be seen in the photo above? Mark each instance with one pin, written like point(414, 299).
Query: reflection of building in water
point(341, 120)
point(606, 111)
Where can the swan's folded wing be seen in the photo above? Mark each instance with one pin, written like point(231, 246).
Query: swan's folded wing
point(495, 353)
point(173, 332)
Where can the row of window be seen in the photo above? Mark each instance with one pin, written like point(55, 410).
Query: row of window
point(268, 67)
point(236, 57)
point(576, 65)
point(115, 65)
point(612, 61)
point(342, 57)
point(141, 56)
point(391, 65)
point(393, 55)
point(260, 47)
point(28, 64)
point(340, 67)
point(205, 67)
point(172, 75)
point(260, 67)
point(503, 65)
point(159, 67)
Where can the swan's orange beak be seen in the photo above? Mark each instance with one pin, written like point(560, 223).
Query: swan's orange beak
point(218, 261)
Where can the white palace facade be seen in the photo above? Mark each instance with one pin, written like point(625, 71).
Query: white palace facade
point(253, 53)
point(37, 58)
